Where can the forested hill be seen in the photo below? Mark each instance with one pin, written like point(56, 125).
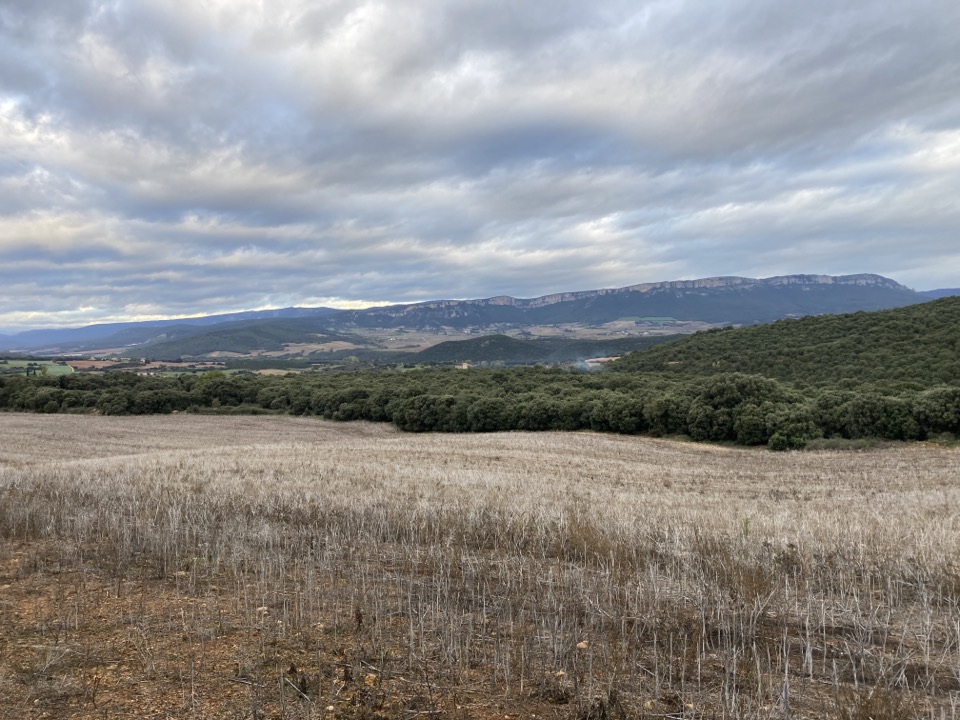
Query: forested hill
point(918, 344)
point(509, 350)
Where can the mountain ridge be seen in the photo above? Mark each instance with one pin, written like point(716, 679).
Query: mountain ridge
point(720, 300)
point(862, 279)
point(33, 339)
point(940, 293)
point(645, 299)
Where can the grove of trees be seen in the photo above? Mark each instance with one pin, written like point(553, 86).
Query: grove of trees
point(730, 407)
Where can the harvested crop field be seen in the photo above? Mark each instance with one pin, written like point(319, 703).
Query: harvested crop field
point(189, 566)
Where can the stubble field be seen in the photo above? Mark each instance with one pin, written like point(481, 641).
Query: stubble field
point(229, 567)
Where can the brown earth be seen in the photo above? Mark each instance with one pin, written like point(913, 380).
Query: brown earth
point(274, 567)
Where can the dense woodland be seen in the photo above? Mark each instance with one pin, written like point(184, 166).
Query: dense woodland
point(893, 374)
point(915, 346)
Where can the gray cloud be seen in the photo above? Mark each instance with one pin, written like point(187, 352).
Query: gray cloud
point(162, 158)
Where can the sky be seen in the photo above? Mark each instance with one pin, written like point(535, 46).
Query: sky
point(163, 158)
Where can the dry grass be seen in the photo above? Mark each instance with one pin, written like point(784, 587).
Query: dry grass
point(204, 567)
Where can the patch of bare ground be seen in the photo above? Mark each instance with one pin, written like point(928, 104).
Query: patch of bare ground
point(308, 348)
point(274, 567)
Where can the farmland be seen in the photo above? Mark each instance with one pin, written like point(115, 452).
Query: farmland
point(188, 566)
point(40, 367)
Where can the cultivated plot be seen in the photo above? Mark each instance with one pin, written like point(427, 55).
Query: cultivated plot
point(202, 566)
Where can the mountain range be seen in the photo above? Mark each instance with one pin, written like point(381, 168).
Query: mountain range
point(722, 300)
point(134, 333)
point(716, 301)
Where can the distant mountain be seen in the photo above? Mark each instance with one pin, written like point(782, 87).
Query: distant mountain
point(241, 337)
point(719, 300)
point(734, 300)
point(123, 334)
point(941, 293)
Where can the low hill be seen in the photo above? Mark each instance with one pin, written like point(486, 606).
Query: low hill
point(919, 344)
point(518, 351)
point(241, 337)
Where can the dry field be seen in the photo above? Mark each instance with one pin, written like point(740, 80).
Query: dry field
point(249, 567)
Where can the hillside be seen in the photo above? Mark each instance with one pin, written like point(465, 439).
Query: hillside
point(512, 350)
point(919, 344)
point(241, 338)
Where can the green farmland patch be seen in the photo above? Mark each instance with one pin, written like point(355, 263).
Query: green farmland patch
point(41, 367)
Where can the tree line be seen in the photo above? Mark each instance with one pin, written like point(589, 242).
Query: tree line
point(735, 407)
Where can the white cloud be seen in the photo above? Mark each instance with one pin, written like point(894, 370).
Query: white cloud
point(161, 157)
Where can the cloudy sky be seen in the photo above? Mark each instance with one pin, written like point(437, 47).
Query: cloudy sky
point(181, 157)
